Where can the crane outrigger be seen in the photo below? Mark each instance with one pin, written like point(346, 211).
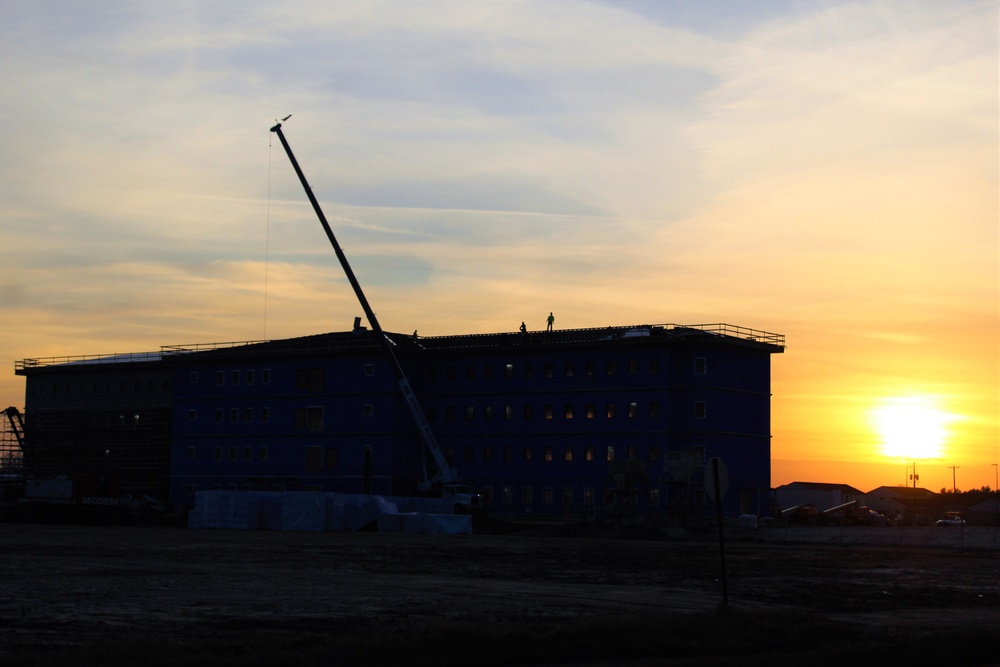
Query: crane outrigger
point(445, 480)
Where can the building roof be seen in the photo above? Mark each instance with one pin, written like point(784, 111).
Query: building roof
point(822, 486)
point(361, 338)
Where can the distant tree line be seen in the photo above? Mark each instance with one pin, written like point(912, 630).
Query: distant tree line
point(972, 496)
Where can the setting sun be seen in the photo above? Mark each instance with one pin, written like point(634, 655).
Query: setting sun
point(912, 427)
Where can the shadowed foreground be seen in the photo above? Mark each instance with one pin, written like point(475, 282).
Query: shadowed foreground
point(154, 596)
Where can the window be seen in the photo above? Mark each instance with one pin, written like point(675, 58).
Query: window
point(611, 367)
point(611, 410)
point(569, 369)
point(550, 370)
point(508, 413)
point(219, 416)
point(508, 495)
point(248, 415)
point(547, 495)
point(263, 453)
point(234, 415)
point(568, 453)
point(470, 413)
point(369, 370)
point(487, 454)
point(527, 496)
point(654, 365)
point(611, 453)
point(588, 495)
point(189, 452)
point(235, 377)
point(547, 410)
point(487, 494)
point(700, 366)
point(468, 455)
point(633, 453)
point(470, 372)
point(265, 376)
point(309, 419)
point(527, 454)
point(699, 409)
point(633, 366)
point(547, 454)
point(449, 413)
point(654, 409)
point(250, 376)
point(233, 453)
point(368, 410)
point(588, 453)
point(330, 458)
point(432, 374)
point(488, 371)
point(488, 413)
point(568, 410)
point(192, 378)
point(508, 371)
point(633, 410)
point(590, 368)
point(265, 415)
point(508, 454)
point(568, 495)
point(588, 410)
point(217, 453)
point(449, 373)
point(529, 371)
point(654, 452)
point(654, 497)
point(314, 459)
point(192, 415)
point(248, 453)
point(528, 412)
point(220, 378)
point(310, 379)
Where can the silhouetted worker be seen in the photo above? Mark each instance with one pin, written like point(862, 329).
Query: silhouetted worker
point(524, 329)
point(550, 321)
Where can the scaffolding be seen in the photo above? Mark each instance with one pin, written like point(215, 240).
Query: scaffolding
point(11, 461)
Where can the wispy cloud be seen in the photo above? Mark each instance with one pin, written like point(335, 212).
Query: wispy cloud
point(815, 168)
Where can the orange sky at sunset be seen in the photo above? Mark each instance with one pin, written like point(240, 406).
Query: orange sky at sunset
point(824, 170)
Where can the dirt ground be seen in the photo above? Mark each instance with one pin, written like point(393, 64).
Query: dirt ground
point(70, 587)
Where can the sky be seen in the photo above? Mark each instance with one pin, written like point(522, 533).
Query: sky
point(823, 170)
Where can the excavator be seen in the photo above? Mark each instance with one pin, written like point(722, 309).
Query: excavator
point(444, 481)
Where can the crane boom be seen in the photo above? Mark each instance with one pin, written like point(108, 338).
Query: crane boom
point(445, 474)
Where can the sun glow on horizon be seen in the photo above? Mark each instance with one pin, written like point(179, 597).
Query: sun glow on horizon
point(912, 427)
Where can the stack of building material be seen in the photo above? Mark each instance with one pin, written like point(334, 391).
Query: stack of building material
point(336, 512)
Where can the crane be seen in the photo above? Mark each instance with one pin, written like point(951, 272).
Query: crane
point(445, 479)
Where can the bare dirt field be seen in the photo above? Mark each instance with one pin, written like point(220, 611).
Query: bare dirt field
point(89, 595)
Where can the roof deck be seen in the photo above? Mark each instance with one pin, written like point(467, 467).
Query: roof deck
point(733, 333)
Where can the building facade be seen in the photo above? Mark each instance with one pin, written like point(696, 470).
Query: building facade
point(580, 422)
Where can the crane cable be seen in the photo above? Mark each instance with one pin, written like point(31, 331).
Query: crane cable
point(267, 231)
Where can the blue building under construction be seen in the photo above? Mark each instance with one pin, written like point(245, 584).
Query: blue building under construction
point(580, 422)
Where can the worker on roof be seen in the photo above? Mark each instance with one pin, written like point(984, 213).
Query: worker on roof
point(550, 321)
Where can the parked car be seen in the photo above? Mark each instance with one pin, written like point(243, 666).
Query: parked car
point(950, 519)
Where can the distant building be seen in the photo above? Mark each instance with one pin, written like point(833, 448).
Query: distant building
point(903, 501)
point(822, 495)
point(574, 421)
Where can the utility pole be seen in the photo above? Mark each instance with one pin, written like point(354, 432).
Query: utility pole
point(954, 489)
point(914, 476)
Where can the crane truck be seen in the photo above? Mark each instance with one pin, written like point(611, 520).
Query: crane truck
point(445, 480)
